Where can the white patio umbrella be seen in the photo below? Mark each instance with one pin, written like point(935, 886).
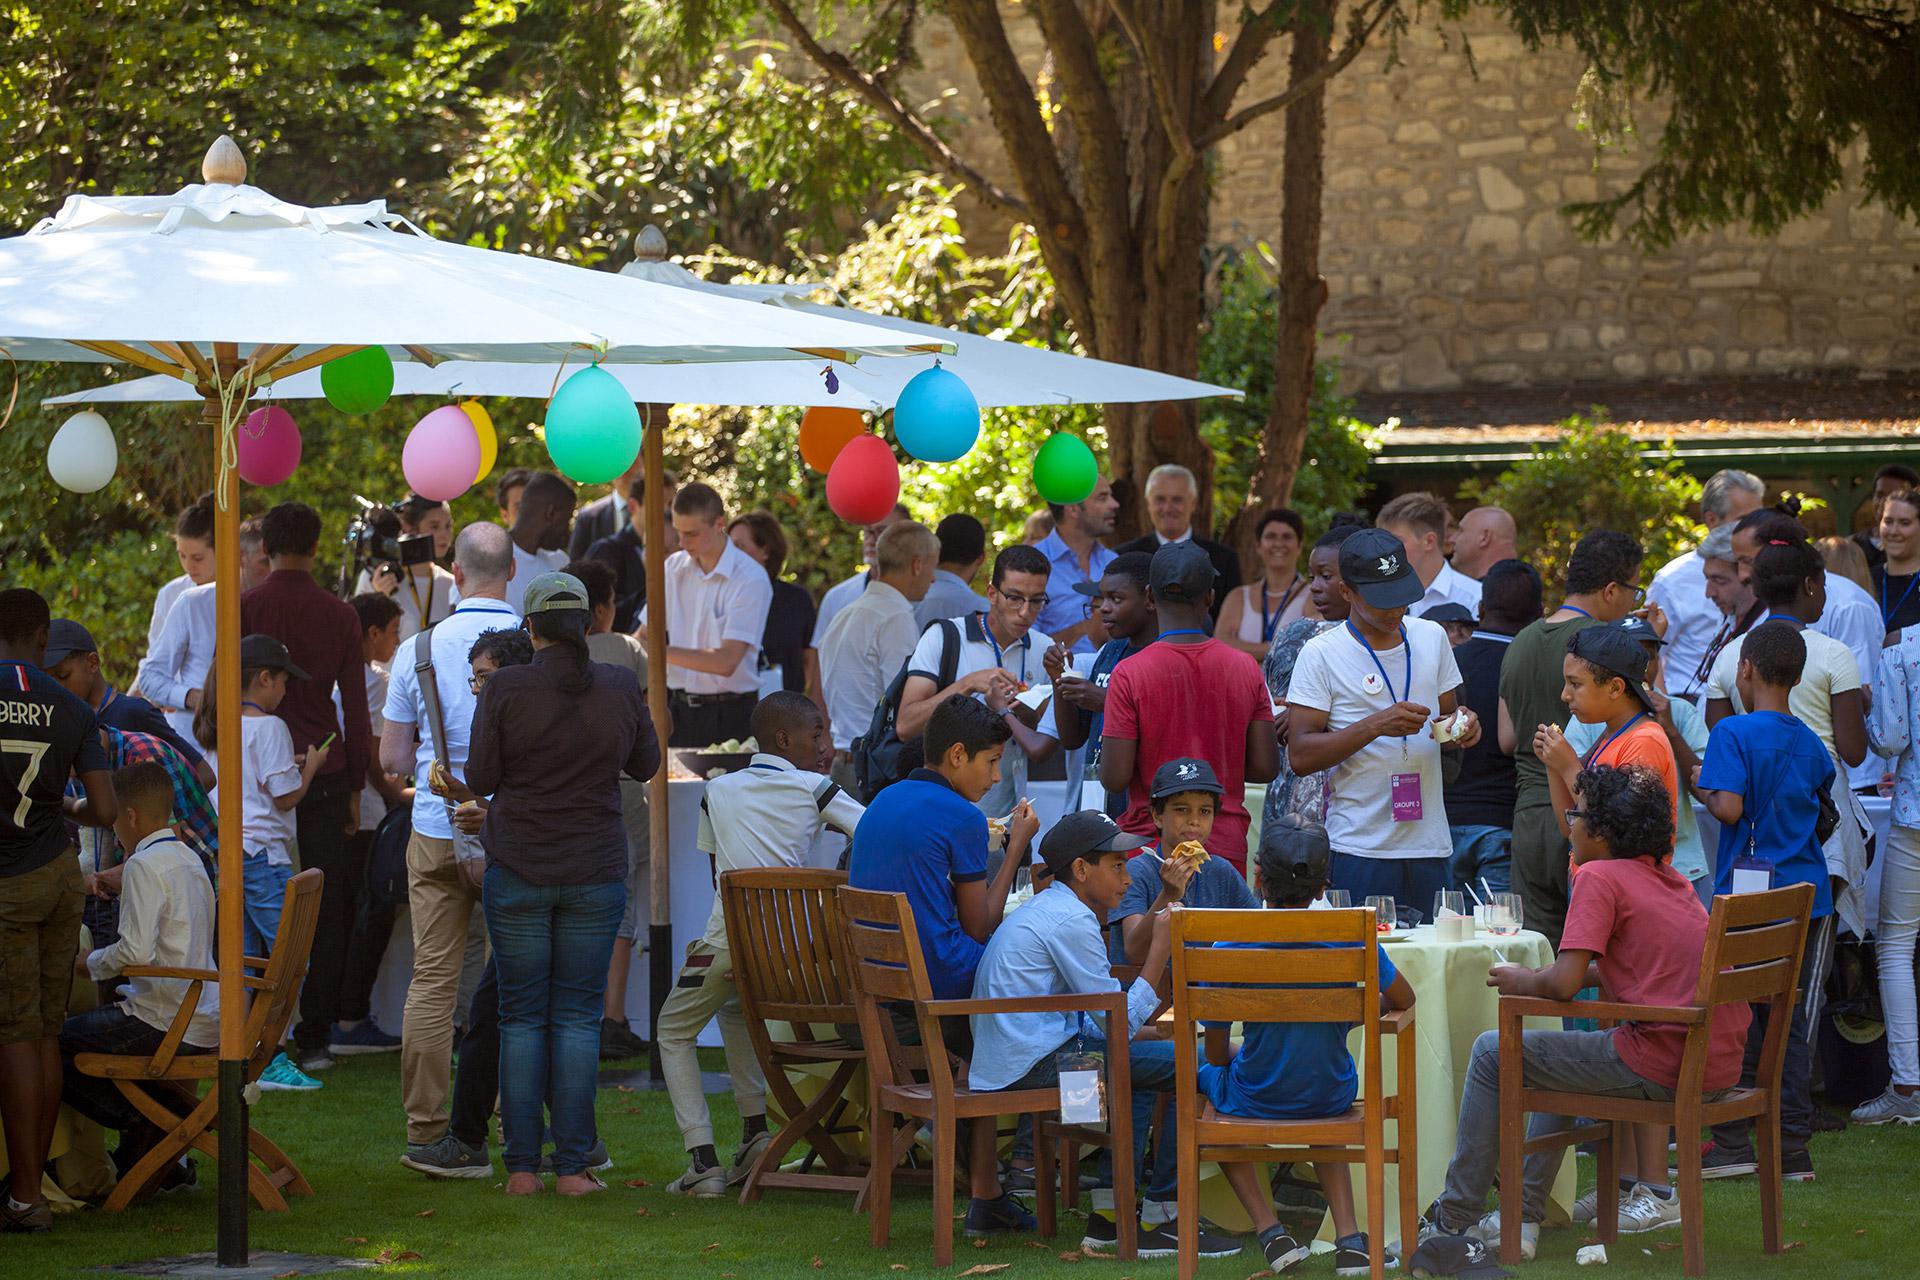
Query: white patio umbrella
point(178, 284)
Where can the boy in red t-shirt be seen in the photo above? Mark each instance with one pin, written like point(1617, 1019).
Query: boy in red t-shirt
point(1605, 671)
point(1639, 924)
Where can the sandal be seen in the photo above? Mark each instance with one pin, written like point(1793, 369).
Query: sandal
point(593, 1184)
point(524, 1184)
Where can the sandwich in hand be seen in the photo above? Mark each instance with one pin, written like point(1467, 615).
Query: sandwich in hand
point(1191, 852)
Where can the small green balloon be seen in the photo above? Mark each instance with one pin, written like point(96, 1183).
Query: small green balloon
point(593, 427)
point(1065, 470)
point(360, 382)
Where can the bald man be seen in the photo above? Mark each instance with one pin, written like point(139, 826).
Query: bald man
point(1484, 539)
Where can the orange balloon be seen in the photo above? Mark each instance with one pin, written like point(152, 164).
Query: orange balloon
point(824, 432)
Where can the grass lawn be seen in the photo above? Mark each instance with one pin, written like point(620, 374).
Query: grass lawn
point(1854, 1221)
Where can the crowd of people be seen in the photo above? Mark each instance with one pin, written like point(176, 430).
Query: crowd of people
point(1390, 708)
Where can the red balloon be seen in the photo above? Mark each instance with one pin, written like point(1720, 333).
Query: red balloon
point(864, 482)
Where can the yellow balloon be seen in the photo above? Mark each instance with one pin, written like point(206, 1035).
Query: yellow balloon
point(483, 428)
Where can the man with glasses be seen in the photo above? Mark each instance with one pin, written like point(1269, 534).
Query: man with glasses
point(998, 660)
point(1075, 555)
point(1603, 585)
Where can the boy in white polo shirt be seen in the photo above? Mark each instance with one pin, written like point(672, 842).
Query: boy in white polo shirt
point(1367, 698)
point(765, 815)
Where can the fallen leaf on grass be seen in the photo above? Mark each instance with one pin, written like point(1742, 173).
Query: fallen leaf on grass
point(1031, 1244)
point(641, 1212)
point(426, 1213)
point(169, 1230)
point(354, 1239)
point(710, 1248)
point(623, 1088)
point(1859, 1231)
point(898, 1266)
point(396, 1255)
point(285, 1275)
point(1666, 1246)
point(986, 1269)
point(1791, 1245)
point(819, 1264)
point(630, 1111)
point(638, 1182)
point(1072, 1256)
point(981, 1244)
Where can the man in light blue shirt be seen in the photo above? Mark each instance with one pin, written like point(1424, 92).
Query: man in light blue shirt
point(1075, 555)
point(963, 550)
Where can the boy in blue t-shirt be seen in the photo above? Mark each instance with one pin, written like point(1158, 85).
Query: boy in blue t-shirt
point(1763, 776)
point(1184, 796)
point(1293, 1070)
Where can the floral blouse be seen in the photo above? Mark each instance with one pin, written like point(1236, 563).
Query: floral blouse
point(1288, 792)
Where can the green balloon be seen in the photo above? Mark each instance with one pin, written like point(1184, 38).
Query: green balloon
point(358, 383)
point(1065, 470)
point(593, 427)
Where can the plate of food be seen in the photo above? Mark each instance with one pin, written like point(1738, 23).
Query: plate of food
point(720, 757)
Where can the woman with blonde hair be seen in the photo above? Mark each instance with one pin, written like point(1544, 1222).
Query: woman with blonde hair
point(1844, 557)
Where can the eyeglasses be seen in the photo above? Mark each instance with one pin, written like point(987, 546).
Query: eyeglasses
point(478, 682)
point(1574, 813)
point(1020, 603)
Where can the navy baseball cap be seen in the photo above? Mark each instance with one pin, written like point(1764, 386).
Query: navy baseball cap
point(1177, 776)
point(1087, 832)
point(1374, 563)
point(1610, 647)
point(1300, 846)
point(65, 637)
point(1182, 573)
point(1449, 612)
point(1641, 630)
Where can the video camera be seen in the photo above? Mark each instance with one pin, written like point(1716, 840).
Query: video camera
point(373, 542)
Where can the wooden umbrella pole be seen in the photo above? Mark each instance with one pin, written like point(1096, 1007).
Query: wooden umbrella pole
point(659, 876)
point(232, 1212)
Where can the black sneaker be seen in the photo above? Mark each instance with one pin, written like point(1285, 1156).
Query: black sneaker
point(1003, 1216)
point(1102, 1234)
point(1350, 1257)
point(1724, 1162)
point(448, 1157)
point(1163, 1241)
point(180, 1176)
point(1796, 1166)
point(28, 1220)
point(618, 1042)
point(1284, 1253)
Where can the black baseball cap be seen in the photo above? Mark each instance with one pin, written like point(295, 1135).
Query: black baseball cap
point(1178, 776)
point(1374, 563)
point(1462, 1256)
point(65, 637)
point(1641, 630)
point(1299, 845)
point(1086, 832)
point(1613, 649)
point(1182, 573)
point(1451, 611)
point(261, 652)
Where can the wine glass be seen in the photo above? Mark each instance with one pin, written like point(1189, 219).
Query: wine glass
point(1505, 914)
point(1449, 902)
point(1382, 908)
point(1337, 899)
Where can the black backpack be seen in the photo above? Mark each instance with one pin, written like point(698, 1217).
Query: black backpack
point(880, 759)
point(386, 883)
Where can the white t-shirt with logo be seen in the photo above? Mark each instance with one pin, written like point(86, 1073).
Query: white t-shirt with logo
point(1830, 669)
point(978, 653)
point(1335, 674)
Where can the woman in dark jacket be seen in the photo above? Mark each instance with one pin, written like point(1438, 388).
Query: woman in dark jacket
point(790, 620)
point(550, 741)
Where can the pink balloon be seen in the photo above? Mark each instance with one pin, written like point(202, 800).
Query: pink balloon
point(269, 446)
point(442, 454)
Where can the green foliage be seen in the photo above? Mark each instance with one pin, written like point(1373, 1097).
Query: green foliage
point(1236, 350)
point(1596, 477)
point(107, 584)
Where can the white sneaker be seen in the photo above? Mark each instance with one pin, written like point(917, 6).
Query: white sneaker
point(1644, 1211)
point(1586, 1208)
point(1889, 1108)
point(1487, 1232)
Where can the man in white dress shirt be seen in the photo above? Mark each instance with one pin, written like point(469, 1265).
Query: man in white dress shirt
point(1420, 520)
point(845, 592)
point(175, 669)
point(1680, 588)
point(717, 602)
point(873, 637)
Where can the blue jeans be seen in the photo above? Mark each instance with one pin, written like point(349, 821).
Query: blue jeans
point(1410, 882)
point(1151, 1071)
point(551, 946)
point(266, 892)
point(1482, 853)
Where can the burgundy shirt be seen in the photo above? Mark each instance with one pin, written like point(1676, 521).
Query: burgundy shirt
point(322, 635)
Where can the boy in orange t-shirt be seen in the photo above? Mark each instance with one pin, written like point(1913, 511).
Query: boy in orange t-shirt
point(1605, 671)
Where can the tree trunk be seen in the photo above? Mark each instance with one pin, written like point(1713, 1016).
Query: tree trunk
point(1303, 291)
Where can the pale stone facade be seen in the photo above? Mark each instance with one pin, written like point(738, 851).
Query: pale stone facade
point(1449, 264)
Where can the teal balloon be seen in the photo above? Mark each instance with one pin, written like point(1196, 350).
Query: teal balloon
point(593, 427)
point(936, 418)
point(1065, 470)
point(358, 383)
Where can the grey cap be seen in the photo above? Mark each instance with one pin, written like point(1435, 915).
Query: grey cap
point(65, 637)
point(1182, 573)
point(552, 592)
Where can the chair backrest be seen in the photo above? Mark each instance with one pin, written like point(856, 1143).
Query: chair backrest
point(784, 931)
point(286, 968)
point(1752, 956)
point(885, 963)
point(1302, 966)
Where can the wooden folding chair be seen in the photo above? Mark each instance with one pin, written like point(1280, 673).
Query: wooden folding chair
point(784, 931)
point(1331, 965)
point(885, 963)
point(179, 1074)
point(1752, 956)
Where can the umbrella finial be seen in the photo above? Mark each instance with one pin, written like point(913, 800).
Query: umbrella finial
point(224, 163)
point(650, 245)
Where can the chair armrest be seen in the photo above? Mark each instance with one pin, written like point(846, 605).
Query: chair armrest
point(1124, 974)
point(1107, 1002)
point(1396, 1022)
point(192, 975)
point(254, 962)
point(1535, 1007)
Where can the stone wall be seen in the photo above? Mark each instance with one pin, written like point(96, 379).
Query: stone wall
point(1450, 266)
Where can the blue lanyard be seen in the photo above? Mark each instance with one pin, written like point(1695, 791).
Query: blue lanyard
point(1574, 608)
point(1592, 755)
point(1026, 646)
point(1886, 614)
point(1184, 631)
point(256, 706)
point(1381, 667)
point(1270, 621)
point(1782, 617)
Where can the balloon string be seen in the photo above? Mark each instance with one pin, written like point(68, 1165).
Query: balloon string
point(551, 391)
point(233, 398)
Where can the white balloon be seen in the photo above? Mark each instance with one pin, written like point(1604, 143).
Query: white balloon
point(82, 455)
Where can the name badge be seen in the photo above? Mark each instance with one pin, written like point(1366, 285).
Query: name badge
point(1406, 797)
point(1751, 875)
point(1083, 1094)
point(1372, 683)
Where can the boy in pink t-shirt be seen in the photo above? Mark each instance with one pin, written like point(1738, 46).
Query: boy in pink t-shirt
point(1188, 695)
point(1640, 923)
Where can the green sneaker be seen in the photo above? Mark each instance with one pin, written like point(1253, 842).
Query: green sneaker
point(282, 1076)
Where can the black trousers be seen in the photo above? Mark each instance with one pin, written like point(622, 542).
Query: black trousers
point(713, 718)
point(476, 1082)
point(108, 1029)
point(342, 967)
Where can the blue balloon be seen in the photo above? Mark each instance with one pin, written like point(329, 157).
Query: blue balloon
point(936, 418)
point(593, 427)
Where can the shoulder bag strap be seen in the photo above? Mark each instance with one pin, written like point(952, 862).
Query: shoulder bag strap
point(430, 694)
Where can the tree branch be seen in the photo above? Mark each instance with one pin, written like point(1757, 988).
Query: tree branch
point(1255, 34)
point(918, 131)
point(1087, 101)
point(1171, 121)
point(1364, 24)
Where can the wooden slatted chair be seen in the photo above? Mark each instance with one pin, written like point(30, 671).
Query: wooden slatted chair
point(1333, 955)
point(1752, 956)
point(784, 932)
point(177, 1075)
point(886, 965)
